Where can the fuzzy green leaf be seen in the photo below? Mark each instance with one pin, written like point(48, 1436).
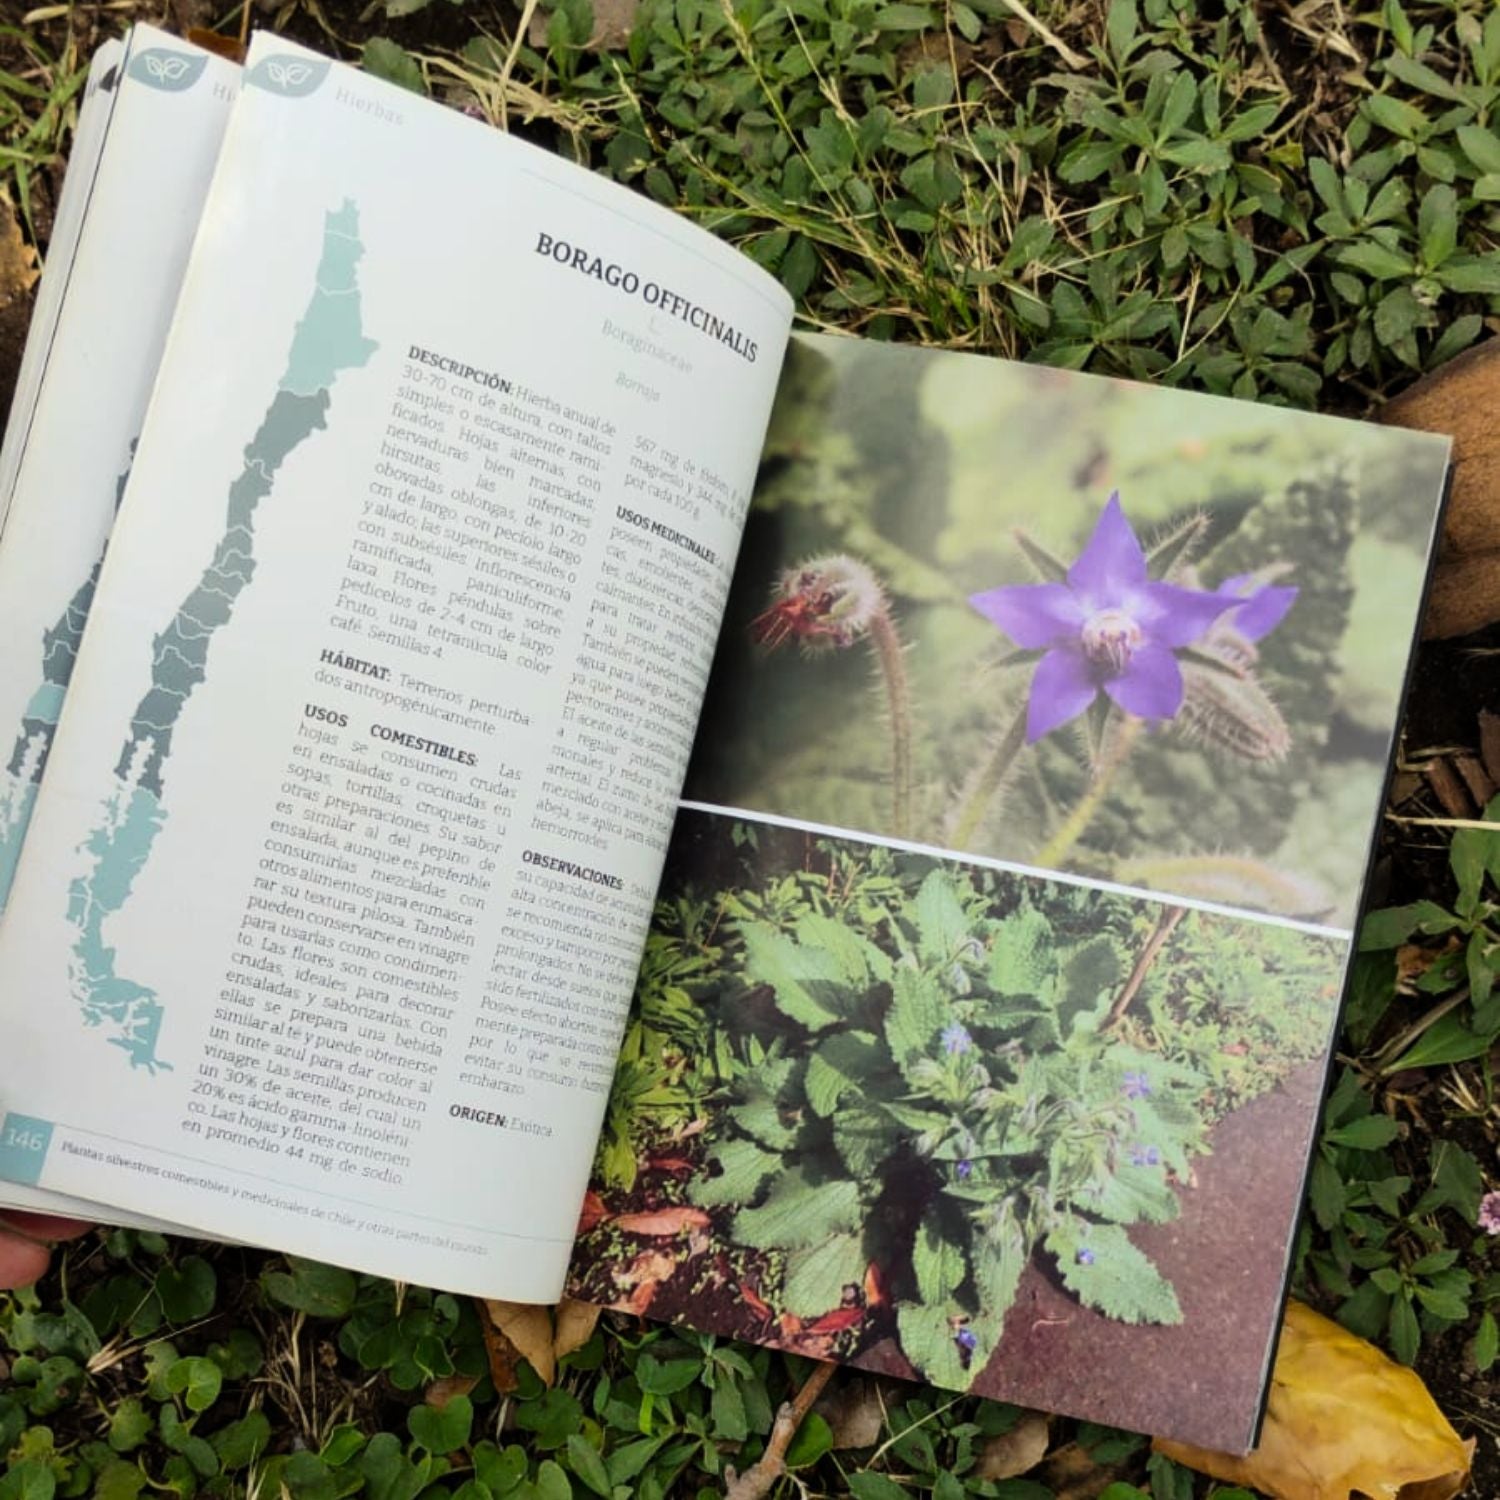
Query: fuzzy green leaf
point(999, 1255)
point(1022, 959)
point(1134, 1195)
point(760, 1117)
point(927, 1340)
point(919, 1011)
point(859, 962)
point(839, 1065)
point(799, 1214)
point(938, 1262)
point(816, 1277)
point(809, 985)
point(942, 923)
point(744, 1168)
point(1114, 1276)
point(864, 1136)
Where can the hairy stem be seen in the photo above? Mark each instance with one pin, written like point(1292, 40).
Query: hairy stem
point(1166, 925)
point(893, 668)
point(1006, 749)
point(1060, 845)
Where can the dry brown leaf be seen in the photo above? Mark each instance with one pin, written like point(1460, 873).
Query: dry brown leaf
point(1343, 1420)
point(574, 1326)
point(854, 1413)
point(527, 1328)
point(230, 47)
point(1072, 1475)
point(1015, 1452)
point(440, 1392)
point(18, 264)
point(541, 1335)
point(592, 1213)
point(663, 1221)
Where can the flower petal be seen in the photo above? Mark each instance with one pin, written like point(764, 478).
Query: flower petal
point(1062, 687)
point(1175, 616)
point(1033, 615)
point(1151, 686)
point(1263, 612)
point(1112, 564)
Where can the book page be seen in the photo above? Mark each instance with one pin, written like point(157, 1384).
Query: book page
point(339, 875)
point(160, 141)
point(99, 95)
point(998, 957)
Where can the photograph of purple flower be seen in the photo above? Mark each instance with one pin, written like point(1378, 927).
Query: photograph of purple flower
point(1073, 623)
point(1109, 627)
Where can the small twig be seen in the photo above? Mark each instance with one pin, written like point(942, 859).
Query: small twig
point(755, 1483)
point(1166, 925)
point(1063, 50)
point(1479, 823)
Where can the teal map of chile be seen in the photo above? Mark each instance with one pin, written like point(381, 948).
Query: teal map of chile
point(328, 339)
point(28, 757)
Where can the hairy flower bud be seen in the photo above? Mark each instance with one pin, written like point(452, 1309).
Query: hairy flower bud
point(826, 602)
point(1227, 709)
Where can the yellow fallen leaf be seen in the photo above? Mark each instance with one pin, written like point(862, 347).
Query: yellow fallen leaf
point(1342, 1421)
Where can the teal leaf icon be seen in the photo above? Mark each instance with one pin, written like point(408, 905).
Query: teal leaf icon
point(162, 68)
point(286, 73)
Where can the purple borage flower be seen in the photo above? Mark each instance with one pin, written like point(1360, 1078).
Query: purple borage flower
point(1263, 608)
point(1144, 1156)
point(1135, 1085)
point(956, 1040)
point(1109, 628)
point(965, 1170)
point(967, 1340)
point(1085, 1257)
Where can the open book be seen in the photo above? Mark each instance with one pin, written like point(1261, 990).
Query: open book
point(995, 915)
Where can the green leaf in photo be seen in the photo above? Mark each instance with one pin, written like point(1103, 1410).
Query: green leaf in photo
point(799, 1214)
point(817, 1276)
point(745, 1167)
point(1104, 1270)
point(938, 1261)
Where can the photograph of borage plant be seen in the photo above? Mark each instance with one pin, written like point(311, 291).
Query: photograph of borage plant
point(1072, 622)
point(1004, 1133)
